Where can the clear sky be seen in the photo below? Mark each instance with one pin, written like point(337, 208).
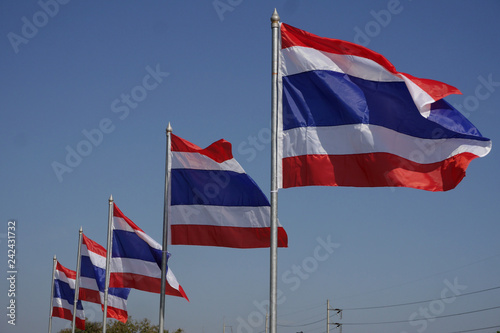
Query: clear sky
point(66, 71)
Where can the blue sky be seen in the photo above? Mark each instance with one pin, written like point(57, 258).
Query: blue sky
point(67, 78)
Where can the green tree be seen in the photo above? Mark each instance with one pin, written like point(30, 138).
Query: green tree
point(115, 326)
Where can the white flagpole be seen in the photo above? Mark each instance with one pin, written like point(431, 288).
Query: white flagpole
point(109, 250)
point(166, 204)
point(77, 284)
point(274, 174)
point(54, 264)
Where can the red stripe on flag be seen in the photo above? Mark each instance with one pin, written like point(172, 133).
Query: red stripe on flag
point(291, 36)
point(67, 314)
point(374, 170)
point(144, 283)
point(93, 246)
point(93, 296)
point(218, 151)
point(89, 295)
point(235, 237)
point(116, 313)
point(118, 213)
point(68, 272)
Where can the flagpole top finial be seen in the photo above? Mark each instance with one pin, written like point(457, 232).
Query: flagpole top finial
point(169, 128)
point(111, 198)
point(275, 18)
point(81, 229)
point(55, 257)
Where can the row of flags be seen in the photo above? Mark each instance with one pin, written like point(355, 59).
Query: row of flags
point(346, 117)
point(213, 203)
point(135, 264)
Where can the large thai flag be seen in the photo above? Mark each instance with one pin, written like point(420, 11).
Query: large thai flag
point(348, 118)
point(136, 259)
point(93, 278)
point(64, 297)
point(214, 202)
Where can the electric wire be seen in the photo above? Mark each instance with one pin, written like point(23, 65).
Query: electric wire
point(303, 310)
point(417, 302)
point(476, 329)
point(302, 325)
point(437, 317)
point(393, 305)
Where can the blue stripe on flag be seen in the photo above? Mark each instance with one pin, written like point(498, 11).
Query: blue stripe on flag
point(128, 245)
point(218, 188)
point(64, 291)
point(90, 271)
point(446, 115)
point(327, 98)
point(119, 292)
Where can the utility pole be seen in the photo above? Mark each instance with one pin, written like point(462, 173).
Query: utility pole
point(339, 312)
point(327, 316)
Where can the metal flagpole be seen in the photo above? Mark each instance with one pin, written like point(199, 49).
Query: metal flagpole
point(166, 204)
point(274, 173)
point(109, 250)
point(54, 263)
point(77, 284)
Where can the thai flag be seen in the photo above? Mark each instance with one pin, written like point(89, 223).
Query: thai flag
point(214, 202)
point(93, 278)
point(136, 259)
point(64, 297)
point(348, 118)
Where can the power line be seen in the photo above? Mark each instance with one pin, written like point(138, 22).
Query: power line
point(471, 330)
point(437, 317)
point(429, 300)
point(476, 329)
point(302, 310)
point(394, 305)
point(314, 322)
point(402, 304)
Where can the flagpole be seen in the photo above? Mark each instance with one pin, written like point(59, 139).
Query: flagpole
point(274, 174)
point(166, 203)
point(77, 284)
point(109, 250)
point(54, 264)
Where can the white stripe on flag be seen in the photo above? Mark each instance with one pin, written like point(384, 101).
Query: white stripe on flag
point(223, 216)
point(88, 283)
point(96, 259)
point(62, 303)
point(193, 160)
point(364, 138)
point(120, 224)
point(135, 266)
point(61, 276)
point(299, 59)
point(172, 280)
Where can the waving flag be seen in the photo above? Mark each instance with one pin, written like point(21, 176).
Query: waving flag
point(92, 281)
point(214, 202)
point(136, 259)
point(348, 118)
point(64, 296)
